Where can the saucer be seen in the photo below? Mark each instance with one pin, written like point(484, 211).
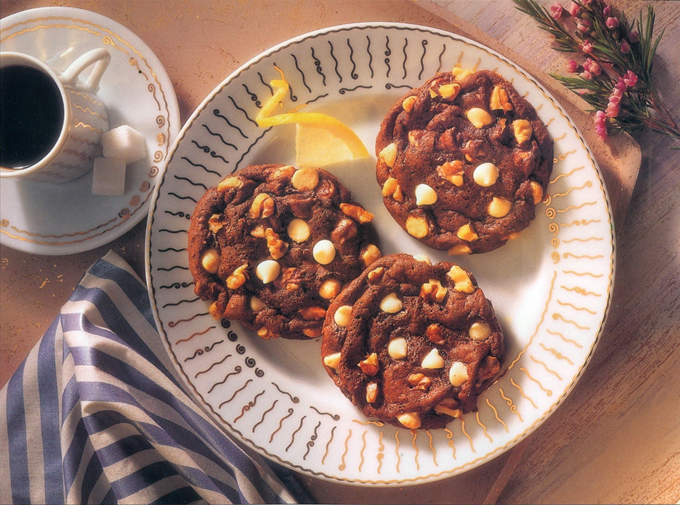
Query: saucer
point(58, 219)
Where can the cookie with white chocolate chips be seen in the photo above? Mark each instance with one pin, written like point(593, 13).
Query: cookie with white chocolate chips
point(272, 245)
point(411, 343)
point(462, 161)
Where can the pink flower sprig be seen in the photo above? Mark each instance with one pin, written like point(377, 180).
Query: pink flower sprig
point(616, 57)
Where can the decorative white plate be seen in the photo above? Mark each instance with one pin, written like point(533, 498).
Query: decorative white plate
point(45, 218)
point(551, 287)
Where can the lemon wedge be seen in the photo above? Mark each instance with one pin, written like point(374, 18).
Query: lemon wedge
point(320, 139)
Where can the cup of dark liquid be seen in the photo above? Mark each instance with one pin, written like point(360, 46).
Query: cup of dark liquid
point(50, 122)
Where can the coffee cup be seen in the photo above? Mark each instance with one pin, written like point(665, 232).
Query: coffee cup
point(51, 121)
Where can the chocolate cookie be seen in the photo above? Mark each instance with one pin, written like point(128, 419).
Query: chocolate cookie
point(462, 161)
point(272, 246)
point(412, 343)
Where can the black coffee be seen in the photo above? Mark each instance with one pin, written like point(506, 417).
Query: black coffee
point(31, 115)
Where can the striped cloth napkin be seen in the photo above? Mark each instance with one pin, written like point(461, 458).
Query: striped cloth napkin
point(97, 414)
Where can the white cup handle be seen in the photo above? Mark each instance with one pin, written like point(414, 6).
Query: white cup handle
point(99, 57)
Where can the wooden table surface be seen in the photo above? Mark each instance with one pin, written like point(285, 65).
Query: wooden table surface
point(616, 438)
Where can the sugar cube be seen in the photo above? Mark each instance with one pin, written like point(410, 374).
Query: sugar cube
point(108, 177)
point(125, 143)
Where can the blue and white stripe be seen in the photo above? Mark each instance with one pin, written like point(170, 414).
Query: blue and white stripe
point(96, 413)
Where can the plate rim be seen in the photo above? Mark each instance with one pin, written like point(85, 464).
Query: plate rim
point(609, 292)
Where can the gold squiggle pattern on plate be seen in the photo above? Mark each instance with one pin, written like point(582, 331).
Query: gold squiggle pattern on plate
point(495, 413)
point(109, 42)
point(549, 121)
point(396, 450)
point(547, 369)
point(381, 449)
point(568, 340)
point(133, 62)
point(582, 256)
point(361, 452)
point(567, 174)
point(323, 460)
point(152, 89)
point(452, 445)
point(513, 407)
point(578, 239)
point(556, 353)
point(555, 257)
point(479, 422)
point(31, 234)
point(587, 184)
point(379, 424)
point(575, 207)
point(342, 460)
point(560, 137)
point(581, 274)
point(195, 335)
point(290, 413)
point(432, 449)
point(462, 427)
point(521, 391)
point(557, 316)
point(35, 28)
point(563, 156)
point(415, 447)
point(580, 291)
point(544, 389)
point(292, 438)
point(585, 309)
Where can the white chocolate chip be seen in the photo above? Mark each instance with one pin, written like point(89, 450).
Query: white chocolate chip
point(410, 420)
point(211, 260)
point(256, 305)
point(486, 174)
point(425, 195)
point(479, 331)
point(433, 360)
point(397, 348)
point(479, 117)
point(343, 315)
point(324, 252)
point(417, 226)
point(332, 361)
point(389, 154)
point(371, 392)
point(305, 179)
point(268, 271)
point(458, 374)
point(330, 289)
point(499, 207)
point(423, 258)
point(391, 304)
point(298, 230)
